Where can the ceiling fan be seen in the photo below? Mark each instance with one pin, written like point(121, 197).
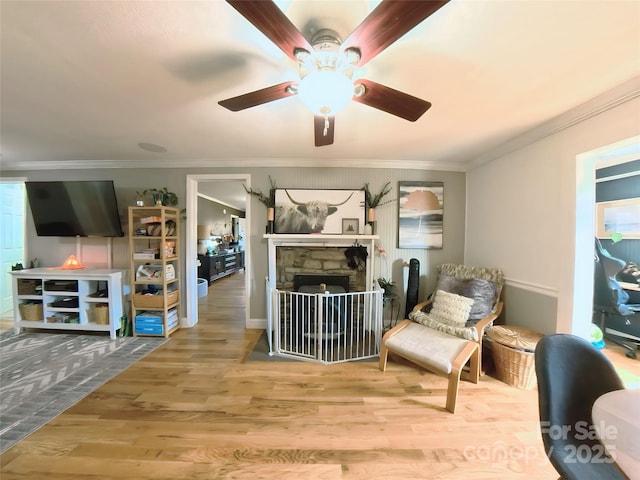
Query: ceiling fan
point(326, 64)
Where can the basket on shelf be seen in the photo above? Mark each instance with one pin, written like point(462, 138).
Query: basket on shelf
point(99, 314)
point(513, 354)
point(27, 286)
point(155, 301)
point(31, 311)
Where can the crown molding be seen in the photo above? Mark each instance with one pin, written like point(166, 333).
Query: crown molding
point(617, 96)
point(237, 163)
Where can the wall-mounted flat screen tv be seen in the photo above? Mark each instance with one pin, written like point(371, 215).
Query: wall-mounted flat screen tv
point(74, 208)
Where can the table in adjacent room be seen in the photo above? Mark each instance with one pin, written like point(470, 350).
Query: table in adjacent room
point(616, 416)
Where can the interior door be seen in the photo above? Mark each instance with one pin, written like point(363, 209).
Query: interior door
point(12, 206)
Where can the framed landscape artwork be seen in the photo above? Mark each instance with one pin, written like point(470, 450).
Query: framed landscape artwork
point(319, 211)
point(618, 216)
point(420, 214)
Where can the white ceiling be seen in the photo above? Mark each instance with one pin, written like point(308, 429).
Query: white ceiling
point(91, 80)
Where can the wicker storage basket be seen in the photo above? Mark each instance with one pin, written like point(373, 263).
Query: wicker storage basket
point(27, 286)
point(513, 354)
point(99, 314)
point(155, 301)
point(31, 311)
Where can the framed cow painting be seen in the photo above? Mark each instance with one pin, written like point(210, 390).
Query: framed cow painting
point(317, 211)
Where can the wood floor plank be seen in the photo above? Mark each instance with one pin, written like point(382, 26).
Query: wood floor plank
point(195, 409)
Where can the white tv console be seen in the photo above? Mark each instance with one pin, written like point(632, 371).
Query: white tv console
point(57, 299)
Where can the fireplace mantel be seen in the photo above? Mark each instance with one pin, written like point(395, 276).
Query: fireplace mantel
point(306, 238)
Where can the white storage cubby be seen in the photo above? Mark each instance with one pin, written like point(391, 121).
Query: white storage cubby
point(88, 299)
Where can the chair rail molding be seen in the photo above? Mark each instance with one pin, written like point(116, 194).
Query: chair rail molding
point(532, 287)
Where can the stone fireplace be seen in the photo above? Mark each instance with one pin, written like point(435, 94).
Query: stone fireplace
point(321, 301)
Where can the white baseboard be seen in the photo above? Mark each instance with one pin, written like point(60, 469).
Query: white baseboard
point(257, 323)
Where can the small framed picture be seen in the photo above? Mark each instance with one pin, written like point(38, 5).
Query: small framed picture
point(350, 226)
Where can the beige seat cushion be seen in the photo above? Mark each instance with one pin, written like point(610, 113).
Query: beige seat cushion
point(426, 346)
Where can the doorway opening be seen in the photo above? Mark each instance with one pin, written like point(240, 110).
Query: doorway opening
point(195, 184)
point(581, 299)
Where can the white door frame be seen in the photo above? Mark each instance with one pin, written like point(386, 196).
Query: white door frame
point(575, 293)
point(192, 247)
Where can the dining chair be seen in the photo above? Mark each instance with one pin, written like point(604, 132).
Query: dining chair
point(572, 374)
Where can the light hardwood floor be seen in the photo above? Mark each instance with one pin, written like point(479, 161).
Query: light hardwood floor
point(194, 410)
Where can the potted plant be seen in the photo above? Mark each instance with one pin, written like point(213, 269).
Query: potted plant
point(373, 201)
point(269, 201)
point(160, 195)
point(389, 287)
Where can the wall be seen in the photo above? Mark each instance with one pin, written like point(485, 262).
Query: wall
point(525, 214)
point(213, 214)
point(52, 251)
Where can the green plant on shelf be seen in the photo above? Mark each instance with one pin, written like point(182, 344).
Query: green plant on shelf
point(162, 195)
point(388, 286)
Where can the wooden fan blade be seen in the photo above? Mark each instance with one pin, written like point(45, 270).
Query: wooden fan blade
point(389, 21)
point(251, 99)
point(323, 130)
point(269, 19)
point(391, 101)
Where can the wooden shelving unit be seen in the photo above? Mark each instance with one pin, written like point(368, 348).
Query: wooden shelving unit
point(155, 269)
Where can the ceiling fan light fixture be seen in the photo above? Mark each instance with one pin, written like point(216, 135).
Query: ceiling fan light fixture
point(328, 67)
point(325, 92)
point(325, 74)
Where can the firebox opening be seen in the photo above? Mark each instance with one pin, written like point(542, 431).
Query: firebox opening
point(330, 281)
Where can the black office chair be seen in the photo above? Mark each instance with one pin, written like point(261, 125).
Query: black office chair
point(610, 300)
point(572, 374)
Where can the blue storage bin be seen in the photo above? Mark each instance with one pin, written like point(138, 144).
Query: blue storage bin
point(149, 329)
point(149, 319)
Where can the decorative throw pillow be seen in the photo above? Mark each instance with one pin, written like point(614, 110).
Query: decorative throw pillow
point(493, 275)
point(451, 308)
point(483, 292)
